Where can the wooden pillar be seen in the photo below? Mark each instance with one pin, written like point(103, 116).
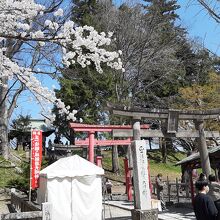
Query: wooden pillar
point(149, 140)
point(136, 125)
point(168, 188)
point(192, 187)
point(202, 147)
point(129, 156)
point(216, 174)
point(72, 137)
point(115, 160)
point(85, 153)
point(177, 190)
point(91, 146)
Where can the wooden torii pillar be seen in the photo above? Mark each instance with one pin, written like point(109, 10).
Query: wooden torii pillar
point(172, 117)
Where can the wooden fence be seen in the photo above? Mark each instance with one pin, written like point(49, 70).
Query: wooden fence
point(175, 191)
point(27, 210)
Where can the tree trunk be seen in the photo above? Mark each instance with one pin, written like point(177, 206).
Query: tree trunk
point(164, 150)
point(129, 156)
point(3, 122)
point(115, 162)
point(149, 140)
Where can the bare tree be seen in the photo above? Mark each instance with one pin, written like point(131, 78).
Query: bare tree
point(148, 59)
point(212, 7)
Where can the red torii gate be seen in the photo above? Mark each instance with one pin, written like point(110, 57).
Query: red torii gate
point(91, 141)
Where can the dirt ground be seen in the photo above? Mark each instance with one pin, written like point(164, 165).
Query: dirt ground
point(118, 188)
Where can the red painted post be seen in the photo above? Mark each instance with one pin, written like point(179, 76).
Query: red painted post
point(99, 161)
point(126, 173)
point(91, 146)
point(128, 181)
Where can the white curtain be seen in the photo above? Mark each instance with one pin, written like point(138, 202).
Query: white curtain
point(59, 194)
point(87, 198)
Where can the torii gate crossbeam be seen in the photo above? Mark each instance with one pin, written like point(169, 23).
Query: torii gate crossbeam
point(91, 129)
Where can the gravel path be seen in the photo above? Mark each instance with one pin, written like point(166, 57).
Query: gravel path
point(112, 212)
point(115, 210)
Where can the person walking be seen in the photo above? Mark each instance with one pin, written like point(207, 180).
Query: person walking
point(160, 188)
point(204, 206)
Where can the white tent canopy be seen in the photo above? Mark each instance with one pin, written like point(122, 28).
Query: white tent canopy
point(73, 186)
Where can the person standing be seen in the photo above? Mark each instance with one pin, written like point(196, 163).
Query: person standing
point(109, 185)
point(214, 192)
point(214, 188)
point(160, 188)
point(204, 206)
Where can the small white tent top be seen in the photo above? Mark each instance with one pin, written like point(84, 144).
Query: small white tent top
point(73, 185)
point(71, 167)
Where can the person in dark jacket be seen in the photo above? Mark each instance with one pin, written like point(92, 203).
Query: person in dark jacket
point(214, 192)
point(160, 188)
point(214, 188)
point(204, 206)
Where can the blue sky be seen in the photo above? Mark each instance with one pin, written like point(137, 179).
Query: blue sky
point(199, 24)
point(192, 16)
point(27, 105)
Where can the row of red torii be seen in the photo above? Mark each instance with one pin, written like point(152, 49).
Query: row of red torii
point(91, 142)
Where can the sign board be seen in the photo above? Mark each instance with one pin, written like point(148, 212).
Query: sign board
point(36, 157)
point(140, 175)
point(172, 125)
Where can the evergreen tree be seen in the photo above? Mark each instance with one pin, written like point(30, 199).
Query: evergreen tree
point(20, 128)
point(194, 62)
point(83, 12)
point(87, 93)
point(163, 10)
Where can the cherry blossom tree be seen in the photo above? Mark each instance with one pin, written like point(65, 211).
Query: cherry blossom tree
point(34, 35)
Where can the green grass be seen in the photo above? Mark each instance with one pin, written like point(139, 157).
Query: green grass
point(169, 170)
point(154, 157)
point(6, 174)
point(156, 165)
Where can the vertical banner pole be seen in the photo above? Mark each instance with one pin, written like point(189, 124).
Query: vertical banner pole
point(36, 158)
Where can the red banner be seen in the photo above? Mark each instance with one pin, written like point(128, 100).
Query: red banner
point(36, 157)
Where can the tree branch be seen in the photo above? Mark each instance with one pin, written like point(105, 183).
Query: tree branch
point(14, 100)
point(211, 11)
